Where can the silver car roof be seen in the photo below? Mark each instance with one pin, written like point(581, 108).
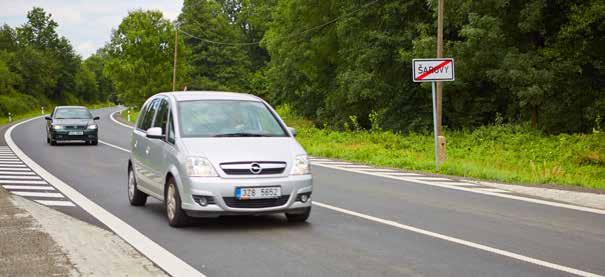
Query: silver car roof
point(211, 95)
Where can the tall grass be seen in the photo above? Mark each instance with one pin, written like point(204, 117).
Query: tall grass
point(508, 153)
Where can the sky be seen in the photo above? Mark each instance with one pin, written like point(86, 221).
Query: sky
point(87, 24)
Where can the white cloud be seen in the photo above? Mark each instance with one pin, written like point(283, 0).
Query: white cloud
point(87, 24)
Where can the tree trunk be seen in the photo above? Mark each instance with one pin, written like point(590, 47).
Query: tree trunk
point(534, 118)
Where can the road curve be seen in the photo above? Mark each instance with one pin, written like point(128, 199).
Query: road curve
point(334, 242)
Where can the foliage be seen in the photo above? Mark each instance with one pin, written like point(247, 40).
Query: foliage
point(140, 57)
point(39, 68)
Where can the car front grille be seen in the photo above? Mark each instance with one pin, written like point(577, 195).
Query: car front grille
point(256, 203)
point(75, 127)
point(244, 168)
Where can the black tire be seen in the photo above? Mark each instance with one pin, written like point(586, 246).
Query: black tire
point(53, 142)
point(94, 142)
point(299, 217)
point(177, 217)
point(135, 196)
point(47, 140)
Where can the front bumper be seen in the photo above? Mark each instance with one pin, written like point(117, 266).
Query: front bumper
point(221, 191)
point(63, 135)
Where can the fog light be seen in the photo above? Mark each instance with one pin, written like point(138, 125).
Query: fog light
point(203, 201)
point(304, 198)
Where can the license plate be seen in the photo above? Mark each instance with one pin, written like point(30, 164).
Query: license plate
point(76, 133)
point(257, 193)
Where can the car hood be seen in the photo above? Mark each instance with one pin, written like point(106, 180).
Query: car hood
point(75, 122)
point(247, 149)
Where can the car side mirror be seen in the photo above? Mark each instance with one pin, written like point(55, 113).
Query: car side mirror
point(48, 118)
point(155, 133)
point(96, 118)
point(293, 131)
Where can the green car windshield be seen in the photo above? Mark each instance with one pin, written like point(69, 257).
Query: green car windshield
point(228, 118)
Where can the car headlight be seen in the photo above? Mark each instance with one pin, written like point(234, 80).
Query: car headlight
point(58, 127)
point(301, 166)
point(199, 167)
point(92, 127)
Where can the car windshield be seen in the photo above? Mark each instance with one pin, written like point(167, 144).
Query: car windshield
point(228, 118)
point(72, 113)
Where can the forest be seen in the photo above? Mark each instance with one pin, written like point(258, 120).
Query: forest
point(343, 64)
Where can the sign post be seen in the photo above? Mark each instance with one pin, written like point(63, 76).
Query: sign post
point(432, 70)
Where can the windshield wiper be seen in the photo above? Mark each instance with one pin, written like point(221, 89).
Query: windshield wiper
point(242, 135)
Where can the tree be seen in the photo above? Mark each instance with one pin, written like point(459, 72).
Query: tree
point(140, 57)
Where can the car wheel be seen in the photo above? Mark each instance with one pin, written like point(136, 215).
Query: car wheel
point(53, 142)
point(135, 196)
point(47, 140)
point(95, 142)
point(299, 217)
point(176, 216)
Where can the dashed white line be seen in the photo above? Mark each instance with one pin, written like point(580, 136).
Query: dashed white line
point(56, 203)
point(21, 177)
point(38, 194)
point(4, 181)
point(10, 187)
point(459, 241)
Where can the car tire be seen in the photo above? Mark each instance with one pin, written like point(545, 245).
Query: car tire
point(175, 214)
point(299, 217)
point(53, 142)
point(47, 140)
point(94, 142)
point(135, 196)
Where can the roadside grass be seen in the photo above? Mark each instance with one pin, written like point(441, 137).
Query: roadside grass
point(133, 115)
point(506, 153)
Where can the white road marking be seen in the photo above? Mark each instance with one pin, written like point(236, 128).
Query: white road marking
point(378, 170)
point(38, 194)
point(158, 255)
point(473, 190)
point(118, 122)
point(319, 160)
point(431, 179)
point(495, 190)
point(15, 168)
point(459, 241)
point(20, 177)
point(404, 174)
point(356, 166)
point(3, 181)
point(336, 163)
point(55, 203)
point(114, 146)
point(28, 187)
point(10, 162)
point(8, 159)
point(458, 184)
point(17, 173)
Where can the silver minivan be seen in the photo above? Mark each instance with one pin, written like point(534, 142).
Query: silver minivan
point(207, 154)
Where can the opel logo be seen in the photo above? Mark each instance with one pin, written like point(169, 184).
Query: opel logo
point(255, 168)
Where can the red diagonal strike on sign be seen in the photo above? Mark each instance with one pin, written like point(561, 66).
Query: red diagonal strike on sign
point(423, 75)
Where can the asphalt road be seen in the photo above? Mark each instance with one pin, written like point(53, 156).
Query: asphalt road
point(335, 243)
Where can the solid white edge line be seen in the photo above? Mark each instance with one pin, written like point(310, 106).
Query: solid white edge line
point(495, 190)
point(157, 254)
point(473, 190)
point(55, 203)
point(459, 241)
point(117, 121)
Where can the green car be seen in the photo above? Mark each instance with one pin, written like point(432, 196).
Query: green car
point(71, 123)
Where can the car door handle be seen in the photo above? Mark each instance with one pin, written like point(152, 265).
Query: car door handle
point(136, 142)
point(147, 150)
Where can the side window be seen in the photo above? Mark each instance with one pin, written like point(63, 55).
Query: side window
point(142, 115)
point(161, 117)
point(170, 131)
point(149, 113)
